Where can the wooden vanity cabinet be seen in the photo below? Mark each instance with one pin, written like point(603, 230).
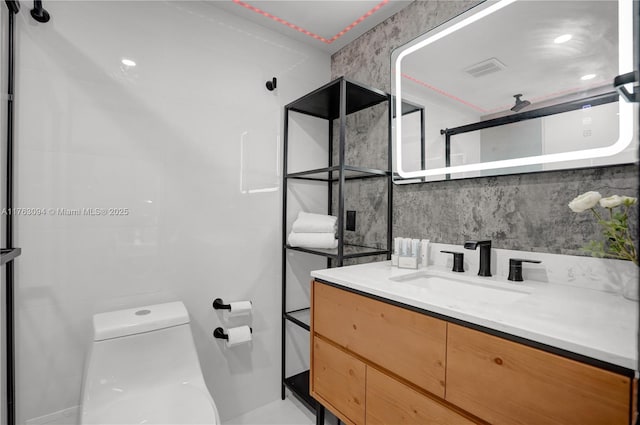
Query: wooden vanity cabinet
point(408, 344)
point(338, 381)
point(508, 383)
point(392, 402)
point(401, 352)
point(376, 363)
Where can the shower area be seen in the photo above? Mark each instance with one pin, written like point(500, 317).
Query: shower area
point(145, 169)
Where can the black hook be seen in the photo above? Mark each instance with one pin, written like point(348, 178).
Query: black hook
point(13, 6)
point(271, 85)
point(38, 12)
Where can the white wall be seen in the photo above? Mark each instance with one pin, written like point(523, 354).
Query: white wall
point(189, 141)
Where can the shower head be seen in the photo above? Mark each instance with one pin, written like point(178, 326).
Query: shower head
point(38, 12)
point(520, 104)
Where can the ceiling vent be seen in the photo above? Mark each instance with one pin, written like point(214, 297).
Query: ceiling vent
point(485, 67)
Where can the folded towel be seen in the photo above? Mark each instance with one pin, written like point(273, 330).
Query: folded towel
point(314, 223)
point(313, 240)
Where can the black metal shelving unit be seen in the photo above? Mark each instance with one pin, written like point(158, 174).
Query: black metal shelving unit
point(331, 102)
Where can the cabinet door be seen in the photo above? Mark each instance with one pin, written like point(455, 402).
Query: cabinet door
point(508, 383)
point(338, 381)
point(392, 402)
point(409, 344)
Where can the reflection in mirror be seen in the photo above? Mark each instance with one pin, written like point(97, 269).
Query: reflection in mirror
point(515, 86)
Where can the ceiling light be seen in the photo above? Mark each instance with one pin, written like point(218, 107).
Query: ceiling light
point(588, 77)
point(562, 39)
point(128, 62)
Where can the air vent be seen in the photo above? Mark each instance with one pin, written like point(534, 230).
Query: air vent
point(485, 67)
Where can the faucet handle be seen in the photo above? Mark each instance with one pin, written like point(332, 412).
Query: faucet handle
point(458, 261)
point(515, 268)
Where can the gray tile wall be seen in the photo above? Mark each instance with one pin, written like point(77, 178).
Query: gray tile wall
point(523, 212)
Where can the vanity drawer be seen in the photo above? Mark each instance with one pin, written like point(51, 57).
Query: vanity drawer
point(508, 383)
point(392, 402)
point(338, 381)
point(408, 344)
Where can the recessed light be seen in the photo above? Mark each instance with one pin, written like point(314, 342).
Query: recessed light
point(588, 77)
point(128, 62)
point(562, 39)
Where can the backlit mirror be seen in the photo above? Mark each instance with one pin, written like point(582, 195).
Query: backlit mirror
point(515, 86)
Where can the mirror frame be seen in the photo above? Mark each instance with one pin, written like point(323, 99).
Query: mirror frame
point(625, 46)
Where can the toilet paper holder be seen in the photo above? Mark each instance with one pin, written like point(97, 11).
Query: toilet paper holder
point(218, 304)
point(219, 333)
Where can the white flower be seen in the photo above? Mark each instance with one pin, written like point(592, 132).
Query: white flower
point(585, 201)
point(629, 200)
point(611, 201)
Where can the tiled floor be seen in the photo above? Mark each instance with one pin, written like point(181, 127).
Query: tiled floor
point(280, 412)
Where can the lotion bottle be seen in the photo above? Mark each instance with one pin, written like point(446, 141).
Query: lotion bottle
point(424, 252)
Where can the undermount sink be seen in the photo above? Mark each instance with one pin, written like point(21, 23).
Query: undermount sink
point(467, 289)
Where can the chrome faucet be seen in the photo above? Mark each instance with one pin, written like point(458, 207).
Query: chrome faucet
point(485, 255)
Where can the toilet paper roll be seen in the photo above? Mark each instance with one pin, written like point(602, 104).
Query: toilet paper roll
point(239, 335)
point(240, 308)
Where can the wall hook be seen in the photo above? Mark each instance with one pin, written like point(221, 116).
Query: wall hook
point(271, 85)
point(38, 13)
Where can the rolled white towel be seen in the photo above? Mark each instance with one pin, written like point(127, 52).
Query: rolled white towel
point(313, 240)
point(314, 223)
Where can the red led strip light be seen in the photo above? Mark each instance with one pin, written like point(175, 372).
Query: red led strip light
point(309, 33)
point(444, 93)
point(503, 107)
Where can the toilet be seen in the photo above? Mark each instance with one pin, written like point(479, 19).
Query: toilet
point(143, 368)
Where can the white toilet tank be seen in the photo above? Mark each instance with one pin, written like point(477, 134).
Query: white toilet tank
point(143, 368)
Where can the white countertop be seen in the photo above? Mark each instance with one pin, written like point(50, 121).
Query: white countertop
point(596, 324)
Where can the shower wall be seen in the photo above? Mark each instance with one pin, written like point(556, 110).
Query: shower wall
point(150, 183)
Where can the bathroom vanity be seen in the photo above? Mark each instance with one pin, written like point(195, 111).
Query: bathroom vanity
point(391, 345)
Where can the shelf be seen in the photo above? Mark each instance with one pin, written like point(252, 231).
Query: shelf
point(299, 386)
point(9, 254)
point(333, 101)
point(325, 101)
point(350, 251)
point(327, 174)
point(301, 317)
point(407, 107)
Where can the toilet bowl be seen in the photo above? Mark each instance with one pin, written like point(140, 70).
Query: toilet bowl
point(143, 368)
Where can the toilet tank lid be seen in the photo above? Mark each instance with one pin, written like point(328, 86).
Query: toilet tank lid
point(137, 320)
